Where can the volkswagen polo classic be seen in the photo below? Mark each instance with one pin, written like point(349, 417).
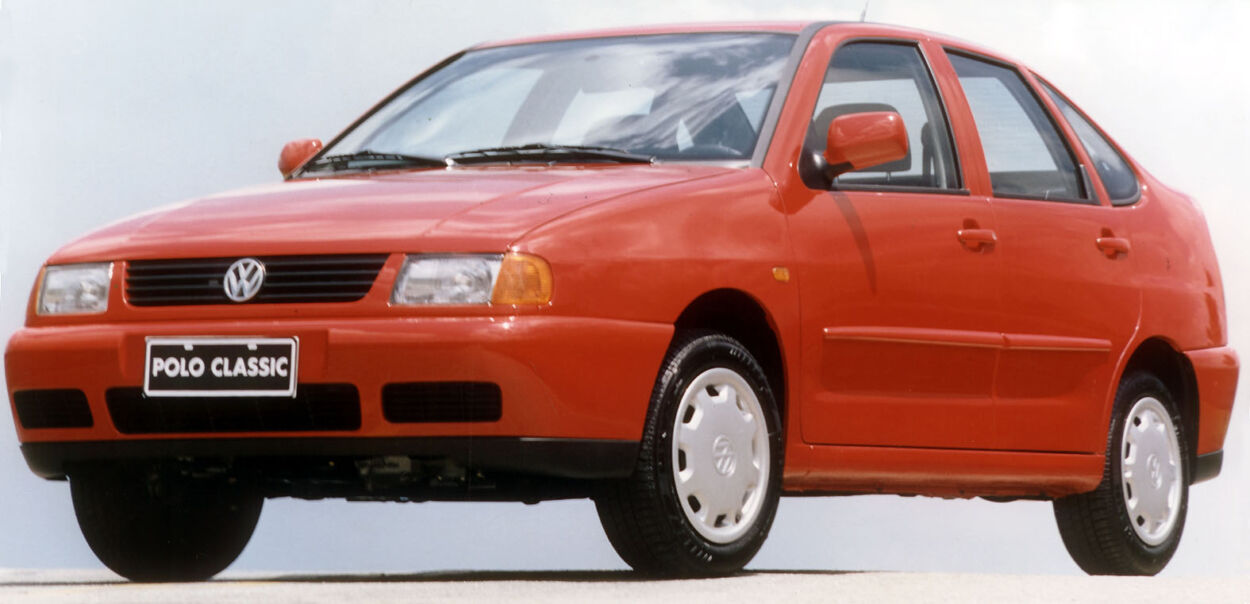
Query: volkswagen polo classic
point(682, 271)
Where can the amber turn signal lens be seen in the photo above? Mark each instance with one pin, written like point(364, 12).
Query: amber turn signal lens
point(523, 279)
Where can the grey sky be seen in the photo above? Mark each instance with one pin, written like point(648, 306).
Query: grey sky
point(109, 108)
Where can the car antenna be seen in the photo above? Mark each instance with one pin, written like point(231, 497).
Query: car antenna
point(864, 13)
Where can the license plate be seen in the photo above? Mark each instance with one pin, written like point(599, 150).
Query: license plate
point(221, 366)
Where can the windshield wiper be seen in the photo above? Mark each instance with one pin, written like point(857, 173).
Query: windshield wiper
point(367, 160)
point(542, 152)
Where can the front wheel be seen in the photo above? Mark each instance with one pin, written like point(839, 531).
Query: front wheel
point(1132, 523)
point(146, 526)
point(705, 489)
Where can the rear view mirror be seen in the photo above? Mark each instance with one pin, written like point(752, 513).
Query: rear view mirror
point(863, 140)
point(295, 153)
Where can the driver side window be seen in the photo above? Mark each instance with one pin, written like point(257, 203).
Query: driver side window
point(884, 76)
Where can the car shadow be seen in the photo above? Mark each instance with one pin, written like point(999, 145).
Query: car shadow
point(592, 576)
point(445, 576)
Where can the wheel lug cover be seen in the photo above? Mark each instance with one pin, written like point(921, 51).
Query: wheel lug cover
point(1151, 480)
point(720, 455)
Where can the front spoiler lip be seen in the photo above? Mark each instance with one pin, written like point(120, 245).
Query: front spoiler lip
point(556, 457)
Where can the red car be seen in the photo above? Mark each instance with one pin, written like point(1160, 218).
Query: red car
point(680, 270)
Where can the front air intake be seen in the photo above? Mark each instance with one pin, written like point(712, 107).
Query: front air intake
point(60, 408)
point(315, 408)
point(429, 402)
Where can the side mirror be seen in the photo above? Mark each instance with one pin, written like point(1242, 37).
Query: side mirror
point(295, 153)
point(863, 140)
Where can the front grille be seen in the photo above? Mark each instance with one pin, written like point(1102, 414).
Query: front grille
point(287, 279)
point(424, 402)
point(52, 409)
point(316, 407)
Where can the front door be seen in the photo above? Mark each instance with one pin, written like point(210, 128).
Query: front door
point(897, 272)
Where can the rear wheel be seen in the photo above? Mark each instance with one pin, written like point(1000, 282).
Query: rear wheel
point(705, 490)
point(1132, 523)
point(148, 527)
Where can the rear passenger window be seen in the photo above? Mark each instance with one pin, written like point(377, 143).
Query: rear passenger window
point(1118, 178)
point(877, 76)
point(1025, 154)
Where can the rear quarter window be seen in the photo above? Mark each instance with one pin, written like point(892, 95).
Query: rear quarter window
point(1114, 171)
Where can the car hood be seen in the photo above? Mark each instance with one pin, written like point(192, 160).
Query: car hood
point(456, 209)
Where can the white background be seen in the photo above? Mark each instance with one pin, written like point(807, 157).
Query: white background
point(109, 108)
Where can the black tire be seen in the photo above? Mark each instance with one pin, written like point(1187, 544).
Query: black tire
point(152, 528)
point(643, 515)
point(1097, 527)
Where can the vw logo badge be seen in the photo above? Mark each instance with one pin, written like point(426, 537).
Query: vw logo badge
point(243, 279)
point(723, 456)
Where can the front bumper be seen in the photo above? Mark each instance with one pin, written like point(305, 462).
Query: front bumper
point(562, 379)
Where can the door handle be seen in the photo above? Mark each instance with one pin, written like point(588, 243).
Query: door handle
point(976, 239)
point(1113, 246)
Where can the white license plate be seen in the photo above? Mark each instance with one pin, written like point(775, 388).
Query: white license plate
point(221, 366)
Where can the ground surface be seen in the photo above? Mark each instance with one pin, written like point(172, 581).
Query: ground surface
point(614, 586)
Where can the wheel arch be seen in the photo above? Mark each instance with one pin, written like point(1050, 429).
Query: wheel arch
point(742, 317)
point(1159, 357)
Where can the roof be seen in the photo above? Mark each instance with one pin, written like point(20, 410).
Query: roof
point(792, 27)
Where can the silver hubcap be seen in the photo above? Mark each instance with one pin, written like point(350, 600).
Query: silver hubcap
point(720, 455)
point(1150, 467)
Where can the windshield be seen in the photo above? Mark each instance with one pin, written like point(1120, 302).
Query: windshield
point(669, 97)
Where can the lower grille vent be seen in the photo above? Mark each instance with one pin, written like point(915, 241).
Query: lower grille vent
point(52, 409)
point(316, 407)
point(426, 402)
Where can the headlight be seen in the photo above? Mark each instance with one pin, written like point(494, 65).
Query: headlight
point(447, 279)
point(75, 289)
point(473, 279)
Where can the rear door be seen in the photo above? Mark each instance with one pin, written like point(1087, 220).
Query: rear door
point(897, 271)
point(1069, 302)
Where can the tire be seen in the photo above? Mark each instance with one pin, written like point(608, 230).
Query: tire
point(1132, 523)
point(149, 528)
point(704, 492)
